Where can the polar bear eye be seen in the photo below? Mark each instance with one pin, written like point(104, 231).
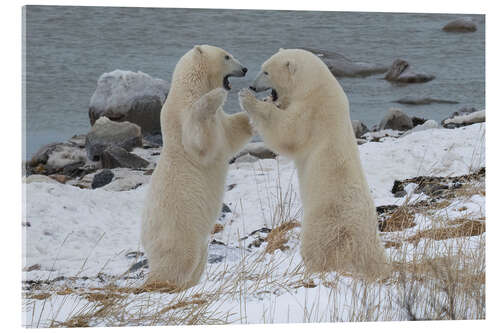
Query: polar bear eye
point(266, 73)
point(226, 57)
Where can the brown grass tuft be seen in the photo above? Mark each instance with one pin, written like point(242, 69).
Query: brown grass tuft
point(467, 229)
point(278, 237)
point(217, 228)
point(402, 218)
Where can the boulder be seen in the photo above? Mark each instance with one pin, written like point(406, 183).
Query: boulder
point(129, 96)
point(102, 178)
point(341, 66)
point(117, 157)
point(258, 150)
point(465, 119)
point(106, 133)
point(359, 128)
point(460, 25)
point(396, 119)
point(423, 101)
point(400, 72)
point(418, 121)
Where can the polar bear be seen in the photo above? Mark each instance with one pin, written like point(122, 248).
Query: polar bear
point(187, 185)
point(306, 117)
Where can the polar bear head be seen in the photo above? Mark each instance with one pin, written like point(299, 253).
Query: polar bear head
point(207, 67)
point(290, 74)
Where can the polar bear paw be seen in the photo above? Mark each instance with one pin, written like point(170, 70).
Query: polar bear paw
point(247, 100)
point(216, 98)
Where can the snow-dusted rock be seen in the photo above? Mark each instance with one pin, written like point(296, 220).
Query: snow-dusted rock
point(341, 66)
point(129, 96)
point(258, 150)
point(464, 120)
point(460, 25)
point(57, 157)
point(400, 72)
point(425, 126)
point(106, 133)
point(397, 120)
point(359, 128)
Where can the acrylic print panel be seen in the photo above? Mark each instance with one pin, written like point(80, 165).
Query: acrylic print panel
point(95, 82)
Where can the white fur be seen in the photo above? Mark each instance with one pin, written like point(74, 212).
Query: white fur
point(310, 123)
point(185, 194)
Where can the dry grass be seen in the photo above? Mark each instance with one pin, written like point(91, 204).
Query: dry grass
point(438, 274)
point(278, 237)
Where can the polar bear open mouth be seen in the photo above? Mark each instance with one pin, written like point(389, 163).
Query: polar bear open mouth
point(225, 82)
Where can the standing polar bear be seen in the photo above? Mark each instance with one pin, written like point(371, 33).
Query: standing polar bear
point(187, 185)
point(306, 117)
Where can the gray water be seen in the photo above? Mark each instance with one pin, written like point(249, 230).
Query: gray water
point(68, 48)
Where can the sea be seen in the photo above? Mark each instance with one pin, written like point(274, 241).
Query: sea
point(67, 48)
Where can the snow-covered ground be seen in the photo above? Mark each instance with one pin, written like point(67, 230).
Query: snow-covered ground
point(90, 238)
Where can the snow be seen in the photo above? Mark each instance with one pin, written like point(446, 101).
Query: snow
point(79, 232)
point(119, 88)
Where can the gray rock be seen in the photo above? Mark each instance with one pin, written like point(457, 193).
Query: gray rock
point(341, 66)
point(247, 158)
point(359, 128)
point(460, 25)
point(258, 150)
point(106, 133)
point(396, 119)
point(418, 121)
point(129, 96)
point(423, 101)
point(102, 178)
point(400, 72)
point(117, 157)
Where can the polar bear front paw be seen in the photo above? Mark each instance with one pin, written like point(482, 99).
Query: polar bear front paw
point(216, 98)
point(247, 100)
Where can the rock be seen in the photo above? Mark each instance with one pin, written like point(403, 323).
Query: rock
point(35, 267)
point(361, 141)
point(117, 157)
point(40, 179)
point(152, 140)
point(429, 124)
point(341, 66)
point(78, 140)
point(106, 133)
point(73, 169)
point(359, 128)
point(460, 25)
point(256, 149)
point(247, 158)
point(400, 72)
point(56, 156)
point(225, 208)
point(129, 96)
point(464, 120)
point(396, 119)
point(138, 265)
point(431, 189)
point(423, 101)
point(417, 121)
point(400, 194)
point(102, 178)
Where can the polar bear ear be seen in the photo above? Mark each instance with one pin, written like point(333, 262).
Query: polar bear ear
point(292, 67)
point(198, 48)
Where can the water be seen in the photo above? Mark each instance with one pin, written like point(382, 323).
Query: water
point(68, 48)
